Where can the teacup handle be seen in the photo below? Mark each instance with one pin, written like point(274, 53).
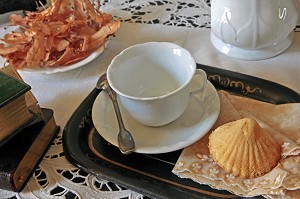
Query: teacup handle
point(204, 78)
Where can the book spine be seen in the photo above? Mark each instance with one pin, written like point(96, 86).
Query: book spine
point(14, 177)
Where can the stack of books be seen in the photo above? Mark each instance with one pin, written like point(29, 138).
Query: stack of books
point(26, 130)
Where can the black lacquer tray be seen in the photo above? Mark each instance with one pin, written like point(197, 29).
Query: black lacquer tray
point(152, 175)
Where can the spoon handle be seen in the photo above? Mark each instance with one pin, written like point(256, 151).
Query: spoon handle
point(113, 97)
point(125, 139)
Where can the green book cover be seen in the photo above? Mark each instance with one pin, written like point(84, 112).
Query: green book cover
point(11, 88)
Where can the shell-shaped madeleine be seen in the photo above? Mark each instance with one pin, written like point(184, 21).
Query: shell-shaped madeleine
point(244, 149)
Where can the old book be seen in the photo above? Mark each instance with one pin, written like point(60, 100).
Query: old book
point(20, 156)
point(31, 101)
point(14, 113)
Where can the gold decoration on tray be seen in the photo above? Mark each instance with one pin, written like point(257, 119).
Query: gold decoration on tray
point(281, 121)
point(226, 82)
point(86, 120)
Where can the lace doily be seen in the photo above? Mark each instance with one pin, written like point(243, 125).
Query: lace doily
point(196, 162)
point(55, 177)
point(189, 13)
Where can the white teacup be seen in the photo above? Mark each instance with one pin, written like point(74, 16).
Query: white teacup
point(151, 81)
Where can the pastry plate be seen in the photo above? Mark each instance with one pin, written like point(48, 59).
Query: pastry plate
point(151, 174)
point(5, 28)
point(184, 131)
point(48, 70)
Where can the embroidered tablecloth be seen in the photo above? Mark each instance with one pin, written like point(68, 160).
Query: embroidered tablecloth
point(186, 23)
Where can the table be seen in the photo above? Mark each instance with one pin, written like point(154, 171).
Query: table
point(186, 23)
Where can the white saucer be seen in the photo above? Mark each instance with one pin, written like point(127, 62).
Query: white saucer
point(192, 125)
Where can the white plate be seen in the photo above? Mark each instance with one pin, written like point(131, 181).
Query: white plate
point(4, 29)
point(192, 125)
point(57, 69)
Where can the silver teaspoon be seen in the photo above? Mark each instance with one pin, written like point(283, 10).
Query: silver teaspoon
point(125, 139)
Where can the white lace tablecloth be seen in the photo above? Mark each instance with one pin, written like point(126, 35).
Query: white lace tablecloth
point(183, 22)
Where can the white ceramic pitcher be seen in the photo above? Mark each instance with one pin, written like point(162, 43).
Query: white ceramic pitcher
point(253, 29)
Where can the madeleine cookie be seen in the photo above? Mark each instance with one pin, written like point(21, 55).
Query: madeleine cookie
point(244, 149)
